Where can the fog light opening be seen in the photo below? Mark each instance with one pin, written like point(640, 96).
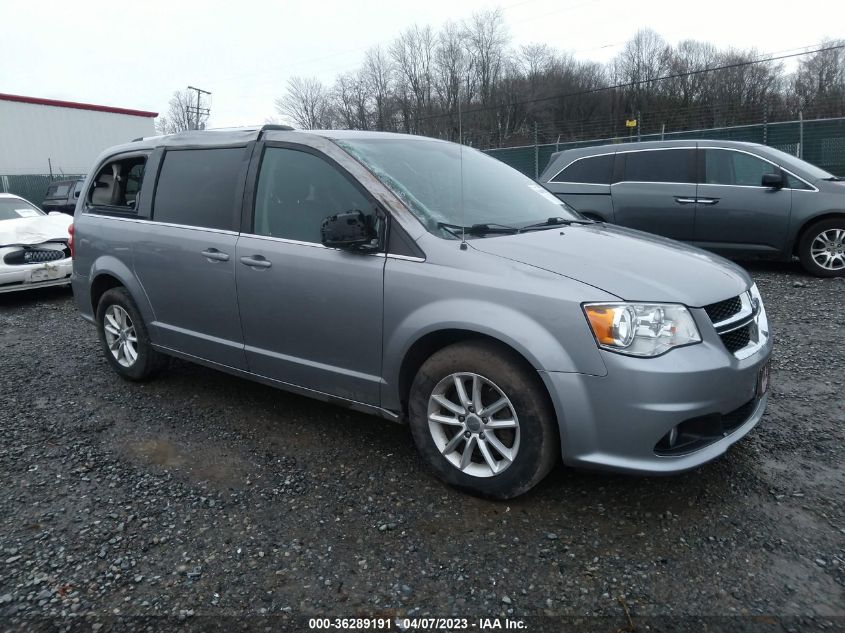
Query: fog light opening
point(673, 437)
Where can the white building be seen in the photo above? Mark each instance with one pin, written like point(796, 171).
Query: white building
point(38, 136)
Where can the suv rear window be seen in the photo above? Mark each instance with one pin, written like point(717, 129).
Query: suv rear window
point(597, 170)
point(196, 187)
point(58, 191)
point(662, 165)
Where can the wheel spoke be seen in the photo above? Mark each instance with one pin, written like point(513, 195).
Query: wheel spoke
point(131, 354)
point(494, 408)
point(112, 321)
point(453, 443)
point(108, 327)
point(444, 402)
point(445, 419)
point(466, 458)
point(502, 424)
point(462, 392)
point(500, 448)
point(476, 393)
point(114, 345)
point(488, 457)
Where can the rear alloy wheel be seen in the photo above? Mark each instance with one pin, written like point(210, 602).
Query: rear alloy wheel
point(822, 248)
point(124, 338)
point(481, 418)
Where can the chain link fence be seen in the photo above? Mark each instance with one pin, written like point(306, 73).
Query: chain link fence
point(820, 141)
point(33, 187)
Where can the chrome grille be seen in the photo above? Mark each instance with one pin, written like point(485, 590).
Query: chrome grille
point(722, 310)
point(735, 340)
point(35, 256)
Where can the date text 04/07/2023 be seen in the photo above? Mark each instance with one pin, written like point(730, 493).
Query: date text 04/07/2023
point(416, 624)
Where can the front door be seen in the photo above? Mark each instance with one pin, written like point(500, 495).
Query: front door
point(735, 213)
point(311, 315)
point(655, 191)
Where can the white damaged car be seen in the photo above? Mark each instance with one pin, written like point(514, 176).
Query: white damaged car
point(34, 248)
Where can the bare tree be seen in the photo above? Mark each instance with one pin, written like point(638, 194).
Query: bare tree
point(307, 103)
point(820, 81)
point(352, 101)
point(486, 40)
point(413, 54)
point(378, 74)
point(181, 114)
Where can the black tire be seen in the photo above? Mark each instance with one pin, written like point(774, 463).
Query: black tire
point(806, 243)
point(538, 449)
point(147, 361)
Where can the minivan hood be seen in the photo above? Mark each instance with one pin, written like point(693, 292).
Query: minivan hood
point(632, 265)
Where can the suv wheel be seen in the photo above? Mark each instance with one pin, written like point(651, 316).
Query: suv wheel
point(124, 337)
point(822, 248)
point(482, 420)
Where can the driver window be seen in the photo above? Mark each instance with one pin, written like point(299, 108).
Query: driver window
point(297, 191)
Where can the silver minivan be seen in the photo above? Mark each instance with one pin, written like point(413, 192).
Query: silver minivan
point(733, 198)
point(426, 283)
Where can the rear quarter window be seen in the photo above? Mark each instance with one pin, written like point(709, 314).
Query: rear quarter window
point(595, 170)
point(197, 187)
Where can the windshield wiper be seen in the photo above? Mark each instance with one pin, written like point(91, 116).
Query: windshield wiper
point(835, 178)
point(554, 222)
point(477, 229)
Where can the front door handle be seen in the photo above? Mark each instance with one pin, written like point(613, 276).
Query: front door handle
point(684, 200)
point(255, 261)
point(708, 200)
point(212, 254)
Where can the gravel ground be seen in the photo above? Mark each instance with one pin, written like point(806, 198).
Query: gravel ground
point(203, 498)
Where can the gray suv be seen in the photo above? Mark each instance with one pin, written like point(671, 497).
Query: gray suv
point(737, 199)
point(426, 283)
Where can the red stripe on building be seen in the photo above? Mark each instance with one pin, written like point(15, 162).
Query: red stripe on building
point(73, 104)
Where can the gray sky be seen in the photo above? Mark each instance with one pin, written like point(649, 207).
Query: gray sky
point(244, 51)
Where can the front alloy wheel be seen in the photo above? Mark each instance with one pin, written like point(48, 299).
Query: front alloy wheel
point(473, 424)
point(482, 419)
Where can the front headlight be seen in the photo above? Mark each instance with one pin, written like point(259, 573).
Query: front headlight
point(641, 329)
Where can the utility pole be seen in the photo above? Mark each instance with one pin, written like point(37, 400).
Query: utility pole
point(199, 111)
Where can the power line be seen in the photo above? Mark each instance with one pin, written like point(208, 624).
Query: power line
point(631, 84)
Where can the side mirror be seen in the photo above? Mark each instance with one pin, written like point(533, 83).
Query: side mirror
point(349, 230)
point(773, 181)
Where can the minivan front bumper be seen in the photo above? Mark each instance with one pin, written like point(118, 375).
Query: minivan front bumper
point(616, 422)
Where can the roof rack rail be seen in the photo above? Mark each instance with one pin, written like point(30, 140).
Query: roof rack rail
point(273, 127)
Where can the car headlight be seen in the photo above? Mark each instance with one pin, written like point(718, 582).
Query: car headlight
point(641, 329)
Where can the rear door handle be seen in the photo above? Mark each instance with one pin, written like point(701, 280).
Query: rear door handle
point(212, 254)
point(708, 200)
point(684, 200)
point(255, 261)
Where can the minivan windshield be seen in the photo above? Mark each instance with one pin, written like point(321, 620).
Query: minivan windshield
point(439, 190)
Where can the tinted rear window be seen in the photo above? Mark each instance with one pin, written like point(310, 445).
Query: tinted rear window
point(596, 170)
point(665, 165)
point(58, 191)
point(196, 187)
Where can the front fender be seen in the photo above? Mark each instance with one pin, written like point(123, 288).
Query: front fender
point(519, 331)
